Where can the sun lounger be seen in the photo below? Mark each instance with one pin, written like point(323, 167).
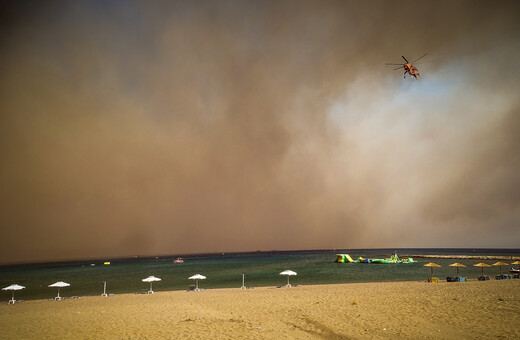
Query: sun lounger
point(503, 277)
point(484, 278)
point(433, 279)
point(456, 279)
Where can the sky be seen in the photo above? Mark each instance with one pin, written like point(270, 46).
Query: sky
point(151, 128)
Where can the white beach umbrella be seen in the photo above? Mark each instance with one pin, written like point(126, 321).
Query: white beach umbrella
point(13, 287)
point(197, 277)
point(59, 284)
point(288, 273)
point(151, 279)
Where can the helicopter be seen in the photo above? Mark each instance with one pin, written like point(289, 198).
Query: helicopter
point(409, 68)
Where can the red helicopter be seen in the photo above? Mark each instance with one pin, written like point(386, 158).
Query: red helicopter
point(409, 68)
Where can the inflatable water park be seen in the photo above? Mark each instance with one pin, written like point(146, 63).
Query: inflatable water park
point(345, 258)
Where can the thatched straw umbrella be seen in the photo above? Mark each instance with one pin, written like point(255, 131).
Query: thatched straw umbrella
point(456, 264)
point(482, 265)
point(500, 264)
point(431, 265)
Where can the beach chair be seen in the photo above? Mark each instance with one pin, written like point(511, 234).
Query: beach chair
point(503, 277)
point(433, 279)
point(191, 288)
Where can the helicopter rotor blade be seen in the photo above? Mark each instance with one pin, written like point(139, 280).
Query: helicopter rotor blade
point(398, 68)
point(405, 59)
point(393, 64)
point(420, 58)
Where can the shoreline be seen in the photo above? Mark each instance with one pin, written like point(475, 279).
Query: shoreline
point(255, 288)
point(374, 310)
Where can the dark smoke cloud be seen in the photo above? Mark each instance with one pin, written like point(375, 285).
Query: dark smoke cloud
point(169, 127)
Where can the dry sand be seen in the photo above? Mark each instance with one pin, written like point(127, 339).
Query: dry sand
point(400, 310)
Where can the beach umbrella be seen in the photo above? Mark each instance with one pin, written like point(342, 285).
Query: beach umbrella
point(13, 287)
point(104, 289)
point(456, 264)
point(59, 284)
point(500, 264)
point(431, 265)
point(151, 279)
point(518, 263)
point(482, 265)
point(288, 273)
point(197, 277)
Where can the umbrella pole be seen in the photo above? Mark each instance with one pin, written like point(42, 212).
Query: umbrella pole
point(13, 297)
point(457, 271)
point(58, 293)
point(197, 284)
point(287, 279)
point(482, 271)
point(431, 274)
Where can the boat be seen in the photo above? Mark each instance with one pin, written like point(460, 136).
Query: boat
point(178, 260)
point(514, 271)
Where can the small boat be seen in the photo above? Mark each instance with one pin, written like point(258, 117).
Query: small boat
point(178, 260)
point(514, 271)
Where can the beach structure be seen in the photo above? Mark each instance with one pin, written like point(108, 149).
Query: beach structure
point(500, 264)
point(458, 278)
point(59, 284)
point(197, 277)
point(432, 265)
point(482, 265)
point(288, 273)
point(243, 282)
point(104, 289)
point(501, 276)
point(345, 258)
point(12, 288)
point(151, 279)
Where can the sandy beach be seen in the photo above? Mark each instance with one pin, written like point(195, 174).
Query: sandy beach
point(396, 310)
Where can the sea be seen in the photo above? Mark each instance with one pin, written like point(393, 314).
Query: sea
point(226, 270)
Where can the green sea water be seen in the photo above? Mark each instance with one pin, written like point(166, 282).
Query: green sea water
point(225, 271)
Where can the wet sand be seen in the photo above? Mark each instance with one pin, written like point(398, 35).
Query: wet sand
point(393, 310)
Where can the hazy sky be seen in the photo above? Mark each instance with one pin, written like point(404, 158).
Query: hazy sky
point(148, 127)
